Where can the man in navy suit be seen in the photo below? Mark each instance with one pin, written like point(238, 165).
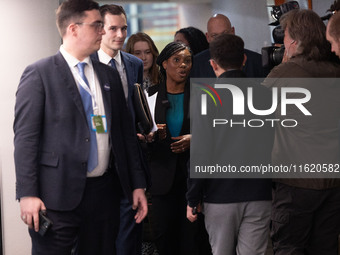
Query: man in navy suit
point(130, 69)
point(220, 24)
point(75, 146)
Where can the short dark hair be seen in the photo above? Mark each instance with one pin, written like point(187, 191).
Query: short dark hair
point(227, 51)
point(72, 11)
point(196, 38)
point(112, 9)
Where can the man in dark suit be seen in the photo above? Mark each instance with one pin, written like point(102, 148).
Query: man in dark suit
point(220, 24)
point(237, 211)
point(130, 69)
point(75, 146)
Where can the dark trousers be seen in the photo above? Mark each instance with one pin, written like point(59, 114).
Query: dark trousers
point(173, 232)
point(92, 226)
point(129, 240)
point(305, 221)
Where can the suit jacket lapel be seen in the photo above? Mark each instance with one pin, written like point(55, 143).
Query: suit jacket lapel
point(68, 80)
point(106, 91)
point(130, 72)
point(162, 104)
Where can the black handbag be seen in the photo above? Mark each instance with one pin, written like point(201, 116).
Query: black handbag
point(142, 111)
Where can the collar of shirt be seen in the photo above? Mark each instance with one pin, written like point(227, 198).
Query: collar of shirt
point(105, 58)
point(71, 60)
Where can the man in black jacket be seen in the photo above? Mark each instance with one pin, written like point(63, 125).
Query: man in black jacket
point(237, 211)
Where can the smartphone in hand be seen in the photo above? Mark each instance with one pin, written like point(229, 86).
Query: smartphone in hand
point(44, 223)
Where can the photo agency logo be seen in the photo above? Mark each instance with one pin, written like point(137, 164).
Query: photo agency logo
point(206, 89)
point(281, 97)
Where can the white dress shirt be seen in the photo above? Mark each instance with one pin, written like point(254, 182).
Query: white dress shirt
point(98, 109)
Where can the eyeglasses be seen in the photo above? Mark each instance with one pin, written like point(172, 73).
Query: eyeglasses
point(98, 25)
point(224, 32)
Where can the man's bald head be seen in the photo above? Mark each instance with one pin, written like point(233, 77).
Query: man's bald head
point(218, 24)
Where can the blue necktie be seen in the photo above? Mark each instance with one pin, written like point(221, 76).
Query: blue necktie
point(113, 63)
point(87, 103)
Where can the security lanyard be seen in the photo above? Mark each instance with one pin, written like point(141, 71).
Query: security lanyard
point(87, 88)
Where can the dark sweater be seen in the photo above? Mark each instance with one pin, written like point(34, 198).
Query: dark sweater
point(239, 146)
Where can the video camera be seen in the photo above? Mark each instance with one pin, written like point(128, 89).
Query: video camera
point(334, 8)
point(272, 55)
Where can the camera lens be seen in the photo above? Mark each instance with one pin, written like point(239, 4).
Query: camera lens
point(277, 55)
